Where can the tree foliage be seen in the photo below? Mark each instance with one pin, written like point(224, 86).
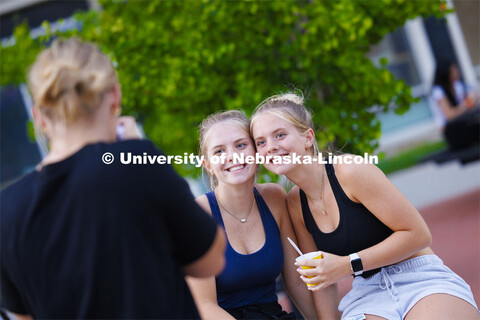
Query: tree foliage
point(180, 61)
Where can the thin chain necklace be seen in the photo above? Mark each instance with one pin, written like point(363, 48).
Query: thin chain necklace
point(322, 196)
point(324, 173)
point(242, 220)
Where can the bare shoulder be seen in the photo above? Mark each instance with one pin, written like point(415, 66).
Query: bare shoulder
point(354, 177)
point(293, 197)
point(275, 198)
point(347, 171)
point(271, 191)
point(202, 201)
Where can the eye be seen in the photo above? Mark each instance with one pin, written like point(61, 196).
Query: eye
point(280, 135)
point(260, 143)
point(218, 151)
point(241, 145)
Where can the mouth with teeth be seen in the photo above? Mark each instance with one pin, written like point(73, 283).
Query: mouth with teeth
point(236, 168)
point(281, 156)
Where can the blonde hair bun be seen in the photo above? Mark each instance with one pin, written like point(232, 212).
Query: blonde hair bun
point(68, 79)
point(292, 97)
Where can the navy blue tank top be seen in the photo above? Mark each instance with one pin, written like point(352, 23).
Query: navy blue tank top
point(357, 229)
point(250, 279)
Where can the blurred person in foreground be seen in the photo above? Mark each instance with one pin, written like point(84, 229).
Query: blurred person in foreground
point(84, 239)
point(455, 107)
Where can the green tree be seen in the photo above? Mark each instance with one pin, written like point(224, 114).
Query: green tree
point(180, 61)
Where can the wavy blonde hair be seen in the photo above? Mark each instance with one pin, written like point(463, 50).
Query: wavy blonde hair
point(291, 108)
point(69, 79)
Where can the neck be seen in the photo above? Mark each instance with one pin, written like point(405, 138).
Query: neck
point(66, 141)
point(236, 198)
point(302, 177)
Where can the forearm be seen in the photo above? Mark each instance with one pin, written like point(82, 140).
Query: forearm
point(456, 112)
point(397, 247)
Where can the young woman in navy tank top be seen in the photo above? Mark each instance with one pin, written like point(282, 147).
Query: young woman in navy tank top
point(257, 224)
point(363, 226)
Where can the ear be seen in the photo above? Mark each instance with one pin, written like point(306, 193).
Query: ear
point(39, 118)
point(207, 167)
point(117, 100)
point(309, 138)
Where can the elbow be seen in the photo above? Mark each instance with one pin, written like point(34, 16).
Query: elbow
point(428, 238)
point(424, 238)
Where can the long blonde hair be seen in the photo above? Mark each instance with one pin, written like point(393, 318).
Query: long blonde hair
point(68, 79)
point(236, 116)
point(291, 108)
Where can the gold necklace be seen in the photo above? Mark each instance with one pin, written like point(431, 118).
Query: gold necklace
point(242, 220)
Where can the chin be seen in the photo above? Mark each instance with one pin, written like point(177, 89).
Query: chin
point(279, 169)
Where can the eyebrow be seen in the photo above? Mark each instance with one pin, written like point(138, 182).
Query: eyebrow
point(275, 131)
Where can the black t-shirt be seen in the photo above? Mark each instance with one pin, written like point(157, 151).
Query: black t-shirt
point(83, 239)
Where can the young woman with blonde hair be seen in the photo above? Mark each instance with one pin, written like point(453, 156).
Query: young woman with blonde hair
point(361, 223)
point(85, 237)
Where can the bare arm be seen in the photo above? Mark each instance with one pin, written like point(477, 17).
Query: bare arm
point(275, 196)
point(410, 232)
point(204, 290)
point(368, 185)
point(449, 111)
point(325, 301)
point(205, 296)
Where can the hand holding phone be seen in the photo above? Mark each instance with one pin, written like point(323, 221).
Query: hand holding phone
point(127, 129)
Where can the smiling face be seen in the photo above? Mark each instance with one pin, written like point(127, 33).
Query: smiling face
point(275, 136)
point(223, 140)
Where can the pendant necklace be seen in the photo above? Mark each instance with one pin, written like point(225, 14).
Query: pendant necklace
point(242, 220)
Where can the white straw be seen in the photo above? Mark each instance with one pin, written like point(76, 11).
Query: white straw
point(294, 246)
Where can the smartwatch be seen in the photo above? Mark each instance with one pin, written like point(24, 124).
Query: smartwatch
point(356, 264)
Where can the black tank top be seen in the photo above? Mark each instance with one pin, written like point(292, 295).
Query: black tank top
point(357, 229)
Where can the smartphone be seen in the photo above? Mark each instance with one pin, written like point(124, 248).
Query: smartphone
point(120, 132)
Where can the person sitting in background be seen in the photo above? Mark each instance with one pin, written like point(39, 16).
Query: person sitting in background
point(455, 107)
point(82, 238)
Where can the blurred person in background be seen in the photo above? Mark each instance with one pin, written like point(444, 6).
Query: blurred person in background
point(81, 238)
point(455, 107)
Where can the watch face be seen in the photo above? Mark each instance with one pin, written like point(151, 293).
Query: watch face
point(357, 265)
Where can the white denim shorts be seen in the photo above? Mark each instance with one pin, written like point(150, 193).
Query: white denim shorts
point(393, 291)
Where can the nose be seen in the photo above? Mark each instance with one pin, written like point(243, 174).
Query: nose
point(229, 157)
point(272, 147)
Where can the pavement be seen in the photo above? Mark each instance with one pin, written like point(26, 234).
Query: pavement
point(430, 183)
point(448, 198)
